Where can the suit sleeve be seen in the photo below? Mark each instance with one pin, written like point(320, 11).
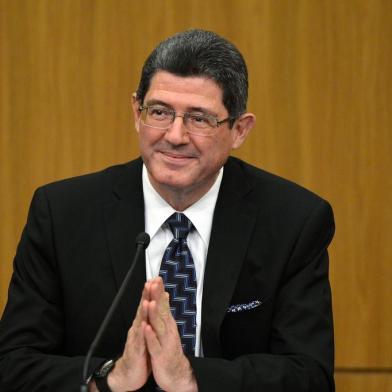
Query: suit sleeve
point(32, 326)
point(301, 351)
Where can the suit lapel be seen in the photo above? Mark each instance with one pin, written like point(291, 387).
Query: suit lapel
point(124, 219)
point(232, 226)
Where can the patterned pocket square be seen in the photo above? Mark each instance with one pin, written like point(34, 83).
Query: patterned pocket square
point(244, 307)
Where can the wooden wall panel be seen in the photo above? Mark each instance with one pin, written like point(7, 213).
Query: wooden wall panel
point(363, 382)
point(322, 90)
point(320, 85)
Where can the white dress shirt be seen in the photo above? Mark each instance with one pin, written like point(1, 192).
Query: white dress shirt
point(156, 212)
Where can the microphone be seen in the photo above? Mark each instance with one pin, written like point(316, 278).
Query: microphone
point(142, 241)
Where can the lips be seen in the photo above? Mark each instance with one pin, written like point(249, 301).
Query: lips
point(176, 158)
point(176, 155)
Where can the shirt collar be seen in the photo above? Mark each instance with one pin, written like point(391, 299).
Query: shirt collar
point(157, 210)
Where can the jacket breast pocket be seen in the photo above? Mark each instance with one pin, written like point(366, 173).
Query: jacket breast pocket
point(246, 328)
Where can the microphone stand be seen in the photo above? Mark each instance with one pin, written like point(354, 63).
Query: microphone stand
point(142, 241)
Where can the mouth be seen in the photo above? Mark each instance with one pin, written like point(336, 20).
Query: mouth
point(176, 158)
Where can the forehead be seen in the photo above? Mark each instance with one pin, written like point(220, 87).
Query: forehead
point(183, 92)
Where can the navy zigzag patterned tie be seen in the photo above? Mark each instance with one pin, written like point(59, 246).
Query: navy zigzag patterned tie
point(179, 277)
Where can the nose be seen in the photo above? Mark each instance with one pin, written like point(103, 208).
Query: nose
point(176, 134)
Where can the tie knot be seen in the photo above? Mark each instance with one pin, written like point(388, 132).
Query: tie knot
point(180, 225)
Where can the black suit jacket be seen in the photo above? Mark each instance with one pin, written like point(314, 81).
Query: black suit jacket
point(268, 243)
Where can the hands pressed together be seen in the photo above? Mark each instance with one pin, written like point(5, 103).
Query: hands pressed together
point(153, 345)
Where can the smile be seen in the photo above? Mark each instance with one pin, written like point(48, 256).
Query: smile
point(175, 158)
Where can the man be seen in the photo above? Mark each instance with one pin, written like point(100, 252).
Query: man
point(249, 250)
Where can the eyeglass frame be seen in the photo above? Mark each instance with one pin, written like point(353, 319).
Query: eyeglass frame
point(184, 115)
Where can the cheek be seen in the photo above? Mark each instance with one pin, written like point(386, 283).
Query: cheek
point(218, 148)
point(148, 139)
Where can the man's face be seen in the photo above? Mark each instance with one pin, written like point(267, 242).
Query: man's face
point(180, 163)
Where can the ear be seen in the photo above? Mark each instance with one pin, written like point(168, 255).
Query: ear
point(136, 113)
point(241, 129)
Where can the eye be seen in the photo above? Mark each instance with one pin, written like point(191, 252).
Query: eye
point(159, 113)
point(200, 120)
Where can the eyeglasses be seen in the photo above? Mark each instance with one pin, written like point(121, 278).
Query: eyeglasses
point(161, 117)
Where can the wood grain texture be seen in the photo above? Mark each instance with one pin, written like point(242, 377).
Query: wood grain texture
point(320, 85)
point(363, 382)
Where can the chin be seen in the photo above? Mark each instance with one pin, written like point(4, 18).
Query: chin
point(175, 184)
point(171, 180)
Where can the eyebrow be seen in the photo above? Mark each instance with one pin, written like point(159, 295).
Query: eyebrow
point(190, 110)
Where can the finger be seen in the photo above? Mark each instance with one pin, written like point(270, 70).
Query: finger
point(164, 307)
point(157, 288)
point(135, 343)
point(141, 314)
point(161, 297)
point(153, 345)
point(145, 311)
point(147, 290)
point(159, 281)
point(155, 319)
